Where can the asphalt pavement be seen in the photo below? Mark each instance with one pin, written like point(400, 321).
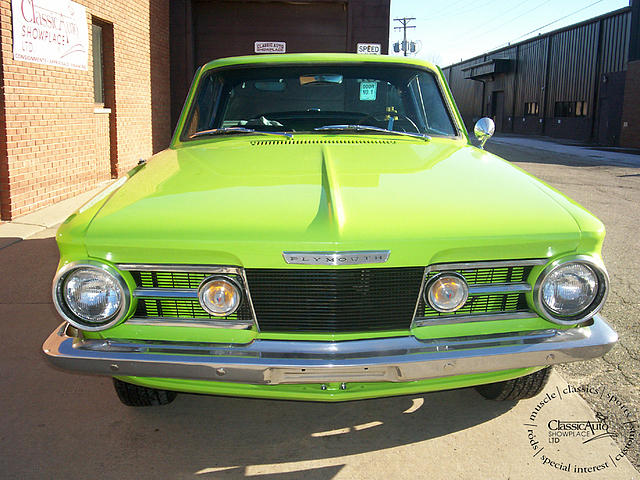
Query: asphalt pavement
point(56, 424)
point(608, 185)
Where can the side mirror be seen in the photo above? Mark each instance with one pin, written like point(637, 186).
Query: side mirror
point(484, 130)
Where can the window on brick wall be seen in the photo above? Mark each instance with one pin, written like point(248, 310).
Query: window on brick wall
point(98, 64)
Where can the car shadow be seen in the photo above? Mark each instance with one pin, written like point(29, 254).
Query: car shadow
point(51, 416)
point(277, 432)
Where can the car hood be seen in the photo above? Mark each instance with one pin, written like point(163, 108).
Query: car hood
point(244, 201)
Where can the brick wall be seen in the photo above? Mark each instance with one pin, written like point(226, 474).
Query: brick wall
point(630, 131)
point(53, 143)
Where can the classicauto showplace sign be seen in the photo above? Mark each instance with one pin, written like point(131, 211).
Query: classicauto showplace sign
point(51, 32)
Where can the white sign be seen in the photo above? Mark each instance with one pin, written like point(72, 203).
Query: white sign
point(369, 48)
point(270, 47)
point(51, 32)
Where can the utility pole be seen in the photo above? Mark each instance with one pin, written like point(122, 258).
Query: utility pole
point(404, 21)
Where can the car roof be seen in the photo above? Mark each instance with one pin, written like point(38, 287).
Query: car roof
point(303, 58)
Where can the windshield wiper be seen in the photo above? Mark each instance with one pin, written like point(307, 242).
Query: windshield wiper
point(228, 130)
point(370, 128)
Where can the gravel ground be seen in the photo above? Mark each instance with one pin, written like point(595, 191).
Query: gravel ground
point(611, 190)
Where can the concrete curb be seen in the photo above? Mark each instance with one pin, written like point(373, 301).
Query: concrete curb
point(48, 217)
point(587, 153)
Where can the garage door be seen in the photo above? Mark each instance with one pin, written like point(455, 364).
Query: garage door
point(227, 28)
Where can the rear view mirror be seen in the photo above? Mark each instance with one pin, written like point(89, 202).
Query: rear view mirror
point(320, 79)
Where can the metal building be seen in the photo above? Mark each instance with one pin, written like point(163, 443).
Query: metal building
point(569, 83)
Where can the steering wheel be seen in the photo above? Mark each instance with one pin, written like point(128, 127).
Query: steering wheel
point(382, 117)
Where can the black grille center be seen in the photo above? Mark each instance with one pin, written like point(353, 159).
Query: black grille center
point(334, 300)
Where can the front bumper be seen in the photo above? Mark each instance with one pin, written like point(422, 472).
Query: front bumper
point(271, 362)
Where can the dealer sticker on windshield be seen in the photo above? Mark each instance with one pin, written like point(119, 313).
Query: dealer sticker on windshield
point(368, 91)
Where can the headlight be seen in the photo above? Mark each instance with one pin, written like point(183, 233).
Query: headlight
point(447, 292)
point(220, 296)
point(90, 296)
point(571, 291)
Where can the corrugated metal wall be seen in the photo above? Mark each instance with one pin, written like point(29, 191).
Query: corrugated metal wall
point(468, 94)
point(566, 65)
point(531, 73)
point(615, 42)
point(573, 65)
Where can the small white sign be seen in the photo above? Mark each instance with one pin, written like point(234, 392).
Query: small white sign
point(369, 48)
point(270, 47)
point(51, 32)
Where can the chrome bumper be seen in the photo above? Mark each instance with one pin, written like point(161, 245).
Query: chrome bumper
point(270, 362)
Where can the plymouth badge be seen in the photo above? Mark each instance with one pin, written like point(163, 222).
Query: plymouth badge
point(336, 258)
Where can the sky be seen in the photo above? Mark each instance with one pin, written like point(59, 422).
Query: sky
point(454, 30)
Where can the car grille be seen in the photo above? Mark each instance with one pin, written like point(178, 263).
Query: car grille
point(159, 307)
point(331, 300)
point(479, 304)
point(334, 300)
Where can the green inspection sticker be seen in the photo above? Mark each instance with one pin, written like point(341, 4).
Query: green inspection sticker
point(368, 91)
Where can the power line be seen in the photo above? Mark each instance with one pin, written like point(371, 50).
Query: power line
point(551, 23)
point(465, 9)
point(443, 13)
point(404, 21)
point(508, 21)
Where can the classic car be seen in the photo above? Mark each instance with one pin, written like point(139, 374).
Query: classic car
point(322, 228)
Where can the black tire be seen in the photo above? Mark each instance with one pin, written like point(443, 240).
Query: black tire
point(136, 396)
point(517, 388)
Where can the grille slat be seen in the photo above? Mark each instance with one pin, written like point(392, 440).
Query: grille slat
point(182, 308)
point(340, 300)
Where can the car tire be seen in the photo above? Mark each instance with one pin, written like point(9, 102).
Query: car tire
point(137, 396)
point(517, 388)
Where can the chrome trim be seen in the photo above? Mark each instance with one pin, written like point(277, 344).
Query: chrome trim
point(337, 258)
point(420, 293)
point(69, 316)
point(596, 305)
point(398, 359)
point(177, 268)
point(166, 292)
point(247, 293)
point(190, 322)
point(488, 264)
point(435, 278)
point(487, 289)
point(481, 317)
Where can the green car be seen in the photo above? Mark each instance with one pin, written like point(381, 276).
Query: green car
point(321, 228)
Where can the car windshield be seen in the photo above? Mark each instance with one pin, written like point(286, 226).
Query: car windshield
point(318, 99)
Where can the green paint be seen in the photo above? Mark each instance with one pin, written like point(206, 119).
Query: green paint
point(313, 392)
point(233, 201)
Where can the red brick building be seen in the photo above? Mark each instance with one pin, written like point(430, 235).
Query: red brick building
point(57, 139)
point(67, 125)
